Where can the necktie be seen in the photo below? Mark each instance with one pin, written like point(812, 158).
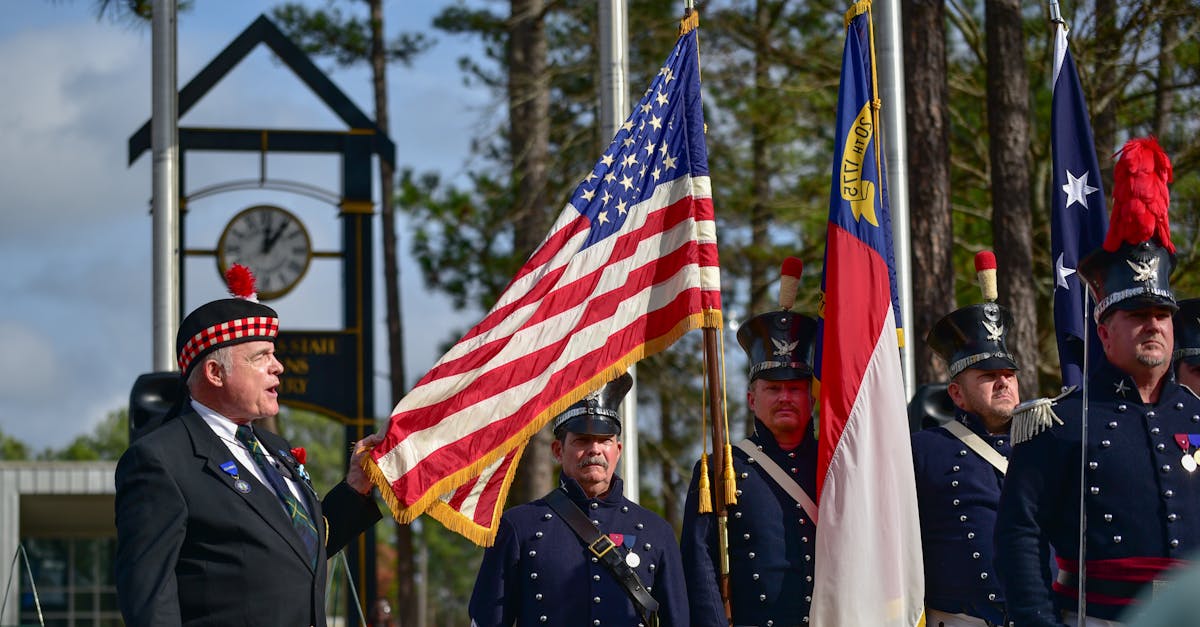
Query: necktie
point(301, 521)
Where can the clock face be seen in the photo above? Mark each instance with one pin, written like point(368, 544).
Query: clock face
point(272, 242)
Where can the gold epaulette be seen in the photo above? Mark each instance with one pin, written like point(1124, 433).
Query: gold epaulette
point(1033, 417)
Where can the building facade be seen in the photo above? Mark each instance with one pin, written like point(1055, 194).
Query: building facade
point(57, 532)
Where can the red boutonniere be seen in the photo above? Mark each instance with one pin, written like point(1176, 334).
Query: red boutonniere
point(301, 456)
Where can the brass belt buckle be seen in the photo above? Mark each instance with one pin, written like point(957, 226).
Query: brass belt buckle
point(603, 538)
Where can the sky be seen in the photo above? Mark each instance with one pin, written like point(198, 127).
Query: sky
point(75, 224)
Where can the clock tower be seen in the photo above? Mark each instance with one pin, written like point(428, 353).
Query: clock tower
point(330, 372)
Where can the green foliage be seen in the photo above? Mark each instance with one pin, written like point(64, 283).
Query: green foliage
point(134, 11)
point(346, 38)
point(109, 439)
point(770, 76)
point(462, 239)
point(12, 449)
point(450, 565)
point(575, 142)
point(323, 439)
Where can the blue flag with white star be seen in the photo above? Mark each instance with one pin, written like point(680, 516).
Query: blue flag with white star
point(1078, 212)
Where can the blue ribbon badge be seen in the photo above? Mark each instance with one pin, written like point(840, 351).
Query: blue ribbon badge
point(239, 484)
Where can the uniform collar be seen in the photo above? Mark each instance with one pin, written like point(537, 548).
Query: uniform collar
point(973, 422)
point(1110, 382)
point(766, 439)
point(575, 491)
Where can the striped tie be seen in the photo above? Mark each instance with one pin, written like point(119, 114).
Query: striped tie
point(295, 510)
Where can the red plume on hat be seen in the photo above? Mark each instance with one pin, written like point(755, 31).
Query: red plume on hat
point(1140, 196)
point(240, 281)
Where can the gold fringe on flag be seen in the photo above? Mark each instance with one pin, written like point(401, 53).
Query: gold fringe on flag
point(690, 22)
point(430, 502)
point(855, 10)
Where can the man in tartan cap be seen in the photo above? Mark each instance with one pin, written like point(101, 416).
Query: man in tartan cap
point(217, 521)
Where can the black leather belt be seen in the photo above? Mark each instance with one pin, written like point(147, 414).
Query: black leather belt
point(608, 553)
point(1107, 587)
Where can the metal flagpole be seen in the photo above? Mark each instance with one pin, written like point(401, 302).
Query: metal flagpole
point(164, 146)
point(889, 53)
point(614, 106)
point(1081, 603)
point(1083, 435)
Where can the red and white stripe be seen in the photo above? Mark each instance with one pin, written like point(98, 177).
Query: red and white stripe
point(869, 537)
point(265, 327)
point(572, 319)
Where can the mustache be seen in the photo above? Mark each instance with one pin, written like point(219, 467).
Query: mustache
point(595, 460)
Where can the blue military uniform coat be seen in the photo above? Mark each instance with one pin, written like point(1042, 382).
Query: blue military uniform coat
point(1141, 501)
point(771, 542)
point(958, 493)
point(540, 573)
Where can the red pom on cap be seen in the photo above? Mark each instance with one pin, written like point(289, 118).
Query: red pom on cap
point(240, 281)
point(985, 260)
point(792, 266)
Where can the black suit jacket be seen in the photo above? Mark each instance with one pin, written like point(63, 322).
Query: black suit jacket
point(193, 550)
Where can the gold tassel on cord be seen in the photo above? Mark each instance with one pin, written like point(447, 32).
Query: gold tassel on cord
point(705, 506)
point(730, 483)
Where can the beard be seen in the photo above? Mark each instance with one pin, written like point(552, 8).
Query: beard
point(1001, 414)
point(1151, 361)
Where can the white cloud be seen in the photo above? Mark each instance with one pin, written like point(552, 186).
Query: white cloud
point(28, 368)
point(74, 217)
point(62, 122)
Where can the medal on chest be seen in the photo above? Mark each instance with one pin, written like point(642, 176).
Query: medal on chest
point(1189, 443)
point(633, 560)
point(239, 484)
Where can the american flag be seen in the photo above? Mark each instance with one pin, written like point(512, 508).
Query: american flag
point(629, 266)
point(868, 547)
point(1078, 213)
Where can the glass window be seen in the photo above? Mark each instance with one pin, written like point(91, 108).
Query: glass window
point(74, 582)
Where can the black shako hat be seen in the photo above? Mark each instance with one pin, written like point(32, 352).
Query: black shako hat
point(597, 413)
point(1187, 331)
point(225, 322)
point(973, 337)
point(1136, 276)
point(779, 344)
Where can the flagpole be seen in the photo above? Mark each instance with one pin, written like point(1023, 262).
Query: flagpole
point(1057, 22)
point(164, 144)
point(890, 56)
point(614, 106)
point(724, 483)
point(721, 449)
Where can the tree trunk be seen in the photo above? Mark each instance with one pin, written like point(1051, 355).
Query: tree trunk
point(1008, 129)
point(406, 602)
point(760, 269)
point(1164, 94)
point(930, 224)
point(529, 129)
point(1104, 78)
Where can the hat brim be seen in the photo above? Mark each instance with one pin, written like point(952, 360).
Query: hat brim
point(590, 424)
point(993, 363)
point(783, 374)
point(1141, 301)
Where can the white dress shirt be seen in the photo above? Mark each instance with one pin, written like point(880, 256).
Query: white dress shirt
point(226, 429)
